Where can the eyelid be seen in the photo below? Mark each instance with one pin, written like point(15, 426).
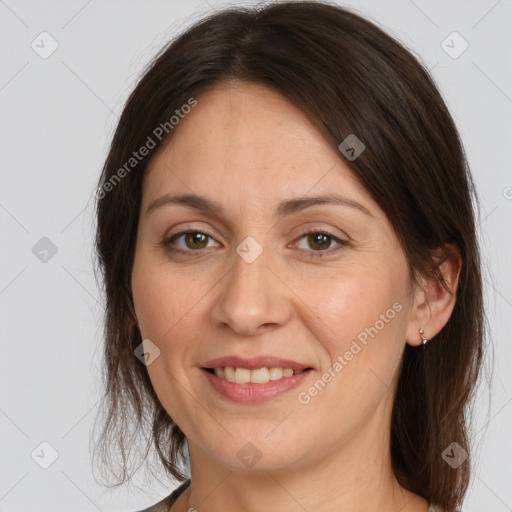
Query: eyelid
point(189, 228)
point(341, 242)
point(326, 231)
point(166, 242)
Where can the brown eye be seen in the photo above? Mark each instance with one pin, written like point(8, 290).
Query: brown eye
point(187, 241)
point(318, 243)
point(195, 240)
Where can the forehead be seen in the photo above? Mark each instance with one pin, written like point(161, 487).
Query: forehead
point(247, 142)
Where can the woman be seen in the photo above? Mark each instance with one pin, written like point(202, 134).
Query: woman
point(293, 287)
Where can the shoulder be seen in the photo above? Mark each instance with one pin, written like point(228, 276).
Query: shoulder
point(163, 505)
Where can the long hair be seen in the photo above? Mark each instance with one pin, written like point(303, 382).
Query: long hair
point(349, 77)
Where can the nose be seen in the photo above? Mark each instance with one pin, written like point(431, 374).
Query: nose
point(251, 298)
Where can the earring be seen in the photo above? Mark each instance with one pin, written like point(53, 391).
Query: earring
point(423, 338)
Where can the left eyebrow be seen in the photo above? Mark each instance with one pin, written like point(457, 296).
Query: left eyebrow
point(285, 208)
point(295, 205)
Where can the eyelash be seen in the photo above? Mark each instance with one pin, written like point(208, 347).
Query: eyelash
point(166, 243)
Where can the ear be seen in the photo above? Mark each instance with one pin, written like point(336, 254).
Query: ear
point(433, 303)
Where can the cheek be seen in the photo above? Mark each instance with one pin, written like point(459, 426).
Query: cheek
point(165, 305)
point(348, 300)
point(360, 322)
point(358, 313)
point(162, 299)
point(170, 305)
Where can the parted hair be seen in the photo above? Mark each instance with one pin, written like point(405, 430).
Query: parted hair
point(350, 77)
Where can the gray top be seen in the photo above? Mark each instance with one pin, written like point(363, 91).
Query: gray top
point(165, 504)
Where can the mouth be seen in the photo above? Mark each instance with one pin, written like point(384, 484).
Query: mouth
point(257, 369)
point(253, 380)
point(263, 375)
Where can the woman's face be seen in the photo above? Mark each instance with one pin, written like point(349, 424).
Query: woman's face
point(251, 283)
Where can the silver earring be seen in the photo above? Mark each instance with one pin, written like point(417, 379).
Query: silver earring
point(423, 338)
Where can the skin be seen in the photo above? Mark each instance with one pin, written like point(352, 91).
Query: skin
point(246, 147)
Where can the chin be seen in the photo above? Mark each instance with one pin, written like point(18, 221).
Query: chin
point(258, 452)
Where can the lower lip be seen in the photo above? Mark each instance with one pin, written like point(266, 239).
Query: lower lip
point(251, 393)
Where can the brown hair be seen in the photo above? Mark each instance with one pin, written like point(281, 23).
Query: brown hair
point(349, 77)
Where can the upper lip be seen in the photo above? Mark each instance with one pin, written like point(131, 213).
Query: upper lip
point(253, 363)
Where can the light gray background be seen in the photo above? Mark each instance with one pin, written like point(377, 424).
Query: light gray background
point(57, 119)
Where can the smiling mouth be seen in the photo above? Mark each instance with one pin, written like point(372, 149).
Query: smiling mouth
point(256, 376)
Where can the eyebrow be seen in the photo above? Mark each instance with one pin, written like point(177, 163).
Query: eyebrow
point(285, 208)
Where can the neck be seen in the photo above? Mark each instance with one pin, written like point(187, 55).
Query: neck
point(349, 478)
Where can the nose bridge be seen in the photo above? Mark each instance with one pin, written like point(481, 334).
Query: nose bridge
point(252, 296)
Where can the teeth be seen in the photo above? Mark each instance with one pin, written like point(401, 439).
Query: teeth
point(242, 375)
point(275, 373)
point(258, 376)
point(229, 373)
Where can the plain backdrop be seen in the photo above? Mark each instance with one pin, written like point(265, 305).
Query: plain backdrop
point(58, 113)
